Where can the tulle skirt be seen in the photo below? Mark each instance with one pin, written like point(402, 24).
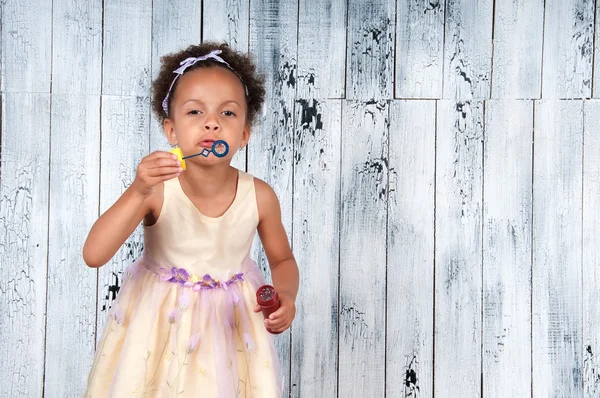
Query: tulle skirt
point(173, 334)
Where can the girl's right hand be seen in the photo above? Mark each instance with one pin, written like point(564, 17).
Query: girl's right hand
point(155, 168)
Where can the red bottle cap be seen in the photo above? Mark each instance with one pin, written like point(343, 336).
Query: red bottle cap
point(266, 296)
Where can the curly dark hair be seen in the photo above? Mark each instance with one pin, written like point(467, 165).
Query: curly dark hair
point(240, 62)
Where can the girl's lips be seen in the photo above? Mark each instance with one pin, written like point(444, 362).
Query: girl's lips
point(207, 143)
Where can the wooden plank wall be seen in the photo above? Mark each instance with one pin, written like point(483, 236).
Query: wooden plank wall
point(436, 162)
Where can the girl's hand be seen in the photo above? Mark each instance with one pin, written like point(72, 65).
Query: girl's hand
point(281, 319)
point(155, 168)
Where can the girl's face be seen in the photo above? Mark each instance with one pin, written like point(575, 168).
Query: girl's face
point(209, 104)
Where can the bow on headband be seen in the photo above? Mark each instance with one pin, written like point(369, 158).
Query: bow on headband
point(213, 55)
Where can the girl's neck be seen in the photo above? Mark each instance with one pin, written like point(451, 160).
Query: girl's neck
point(202, 182)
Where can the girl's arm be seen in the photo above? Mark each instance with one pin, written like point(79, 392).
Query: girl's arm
point(113, 228)
point(141, 199)
point(284, 270)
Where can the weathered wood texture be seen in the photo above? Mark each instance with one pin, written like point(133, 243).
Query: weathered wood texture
point(557, 256)
point(458, 255)
point(410, 239)
point(26, 46)
point(507, 224)
point(517, 58)
point(370, 50)
point(74, 197)
point(362, 307)
point(468, 49)
point(568, 49)
point(24, 184)
point(591, 242)
point(419, 49)
point(317, 144)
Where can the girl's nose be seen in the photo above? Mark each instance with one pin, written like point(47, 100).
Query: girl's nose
point(211, 125)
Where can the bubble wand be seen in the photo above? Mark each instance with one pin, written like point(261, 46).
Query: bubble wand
point(219, 148)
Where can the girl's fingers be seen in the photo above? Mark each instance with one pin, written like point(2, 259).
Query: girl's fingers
point(162, 171)
point(163, 162)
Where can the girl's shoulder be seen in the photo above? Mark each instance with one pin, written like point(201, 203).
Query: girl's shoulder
point(266, 199)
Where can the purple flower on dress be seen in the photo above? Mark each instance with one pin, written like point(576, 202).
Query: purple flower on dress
point(208, 281)
point(177, 275)
point(173, 315)
point(248, 342)
point(193, 342)
point(184, 301)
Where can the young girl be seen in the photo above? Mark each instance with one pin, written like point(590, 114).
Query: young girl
point(186, 322)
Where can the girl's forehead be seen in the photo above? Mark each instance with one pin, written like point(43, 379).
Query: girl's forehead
point(214, 80)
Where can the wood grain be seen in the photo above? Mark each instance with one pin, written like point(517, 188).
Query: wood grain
point(458, 275)
point(507, 225)
point(557, 251)
point(518, 42)
point(26, 46)
point(410, 240)
point(468, 49)
point(568, 49)
point(74, 185)
point(363, 250)
point(24, 176)
point(419, 49)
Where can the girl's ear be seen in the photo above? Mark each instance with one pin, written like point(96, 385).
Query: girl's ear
point(245, 136)
point(169, 129)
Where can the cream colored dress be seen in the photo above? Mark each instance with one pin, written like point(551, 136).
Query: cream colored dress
point(183, 323)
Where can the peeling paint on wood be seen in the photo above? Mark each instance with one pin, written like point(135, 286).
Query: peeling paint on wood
point(459, 184)
point(557, 262)
point(410, 240)
point(568, 49)
point(507, 227)
point(591, 242)
point(364, 167)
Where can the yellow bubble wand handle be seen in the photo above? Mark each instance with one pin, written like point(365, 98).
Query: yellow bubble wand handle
point(179, 154)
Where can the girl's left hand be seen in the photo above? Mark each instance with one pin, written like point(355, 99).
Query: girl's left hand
point(281, 319)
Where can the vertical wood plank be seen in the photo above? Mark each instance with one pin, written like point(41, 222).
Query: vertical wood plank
point(25, 53)
point(568, 49)
point(363, 250)
point(370, 59)
point(320, 66)
point(126, 51)
point(468, 49)
point(596, 57)
point(419, 49)
point(591, 258)
point(76, 47)
point(507, 228)
point(273, 41)
point(557, 231)
point(410, 276)
point(317, 171)
point(24, 175)
point(124, 142)
point(459, 183)
point(518, 41)
point(174, 28)
point(74, 171)
point(228, 21)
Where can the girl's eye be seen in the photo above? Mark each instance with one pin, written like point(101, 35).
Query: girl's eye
point(194, 112)
point(228, 113)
